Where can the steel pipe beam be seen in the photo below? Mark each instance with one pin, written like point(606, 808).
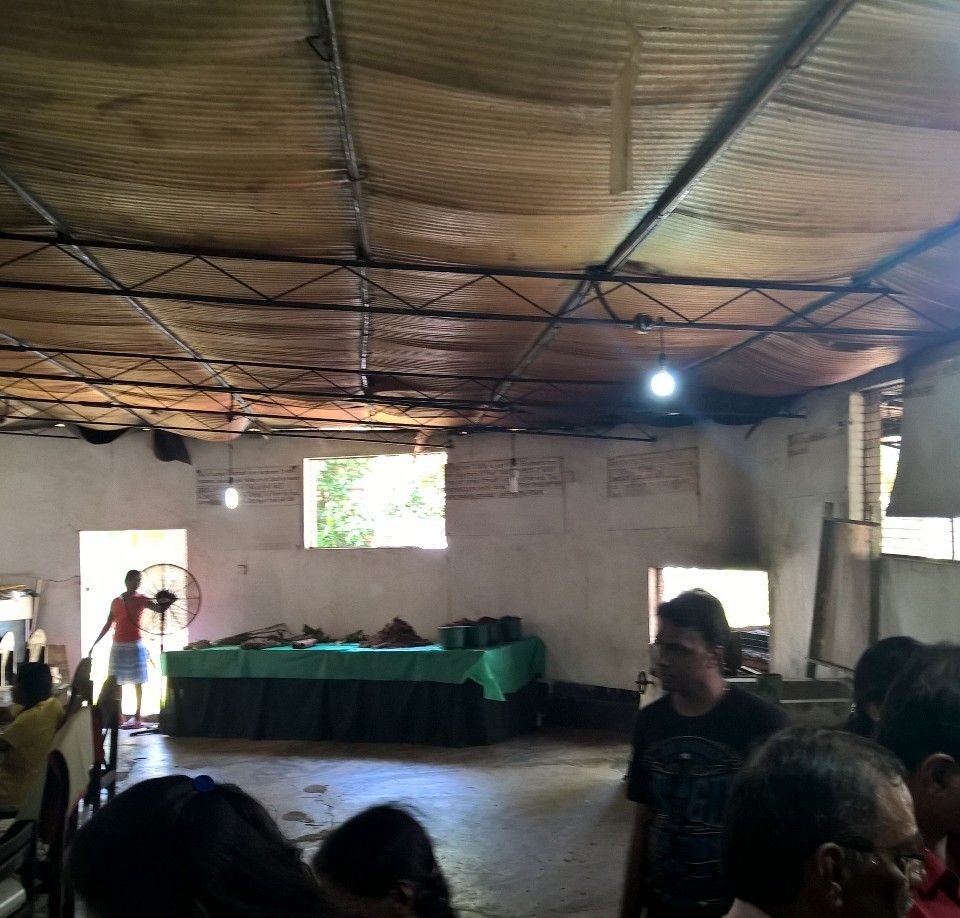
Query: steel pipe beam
point(271, 392)
point(785, 59)
point(458, 315)
point(590, 275)
point(93, 263)
point(71, 372)
point(918, 247)
point(352, 166)
point(227, 365)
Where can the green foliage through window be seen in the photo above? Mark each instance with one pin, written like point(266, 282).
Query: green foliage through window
point(377, 501)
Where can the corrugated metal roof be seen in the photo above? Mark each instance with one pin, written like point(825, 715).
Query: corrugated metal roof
point(484, 137)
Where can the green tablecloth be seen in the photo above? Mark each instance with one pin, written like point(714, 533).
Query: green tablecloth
point(499, 670)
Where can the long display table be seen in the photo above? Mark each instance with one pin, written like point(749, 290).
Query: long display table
point(418, 695)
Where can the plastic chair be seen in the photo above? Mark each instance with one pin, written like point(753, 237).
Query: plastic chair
point(18, 870)
point(36, 649)
point(81, 687)
point(106, 738)
point(68, 776)
point(8, 646)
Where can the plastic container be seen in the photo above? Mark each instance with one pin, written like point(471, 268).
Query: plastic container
point(455, 637)
point(494, 635)
point(481, 635)
point(511, 628)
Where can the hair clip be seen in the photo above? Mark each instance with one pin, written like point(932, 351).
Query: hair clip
point(204, 784)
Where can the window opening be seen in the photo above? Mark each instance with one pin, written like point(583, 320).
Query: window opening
point(745, 595)
point(933, 538)
point(375, 501)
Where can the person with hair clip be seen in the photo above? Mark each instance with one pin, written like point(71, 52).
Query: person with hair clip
point(875, 672)
point(128, 656)
point(180, 847)
point(380, 864)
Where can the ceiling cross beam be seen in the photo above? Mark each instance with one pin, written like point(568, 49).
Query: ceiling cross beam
point(923, 244)
point(785, 59)
point(476, 272)
point(87, 258)
point(327, 47)
point(231, 301)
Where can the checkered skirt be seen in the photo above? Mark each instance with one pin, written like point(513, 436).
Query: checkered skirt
point(128, 662)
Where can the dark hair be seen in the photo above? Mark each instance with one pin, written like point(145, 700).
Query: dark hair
point(34, 683)
point(701, 610)
point(371, 854)
point(176, 846)
point(921, 715)
point(875, 672)
point(802, 789)
point(131, 573)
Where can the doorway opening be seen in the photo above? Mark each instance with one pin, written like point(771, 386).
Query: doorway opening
point(105, 557)
point(745, 596)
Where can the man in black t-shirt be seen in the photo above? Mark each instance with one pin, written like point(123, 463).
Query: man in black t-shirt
point(686, 749)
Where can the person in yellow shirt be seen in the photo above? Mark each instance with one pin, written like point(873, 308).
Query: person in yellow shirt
point(25, 744)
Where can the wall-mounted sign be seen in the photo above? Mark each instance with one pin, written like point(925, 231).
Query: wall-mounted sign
point(274, 484)
point(675, 471)
point(491, 478)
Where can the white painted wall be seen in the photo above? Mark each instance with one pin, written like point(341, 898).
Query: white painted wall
point(793, 493)
point(920, 598)
point(580, 581)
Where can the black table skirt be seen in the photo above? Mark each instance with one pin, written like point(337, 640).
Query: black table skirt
point(429, 713)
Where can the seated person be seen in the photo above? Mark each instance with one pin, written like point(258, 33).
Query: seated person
point(820, 823)
point(180, 847)
point(26, 742)
point(380, 864)
point(920, 722)
point(876, 669)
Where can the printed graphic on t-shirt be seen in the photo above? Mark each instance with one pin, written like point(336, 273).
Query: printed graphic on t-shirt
point(688, 779)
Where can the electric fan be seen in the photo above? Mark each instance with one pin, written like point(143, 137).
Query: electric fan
point(175, 592)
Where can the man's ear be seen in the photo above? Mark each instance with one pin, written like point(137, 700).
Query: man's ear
point(828, 868)
point(934, 772)
point(401, 898)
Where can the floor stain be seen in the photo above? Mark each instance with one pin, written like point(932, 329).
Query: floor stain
point(296, 816)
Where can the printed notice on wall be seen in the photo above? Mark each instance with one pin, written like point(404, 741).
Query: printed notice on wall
point(274, 484)
point(477, 480)
point(674, 471)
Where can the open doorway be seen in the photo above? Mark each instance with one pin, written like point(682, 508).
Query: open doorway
point(105, 556)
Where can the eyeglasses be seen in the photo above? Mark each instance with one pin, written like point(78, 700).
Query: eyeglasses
point(908, 857)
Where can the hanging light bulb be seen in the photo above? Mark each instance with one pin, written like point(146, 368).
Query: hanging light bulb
point(231, 497)
point(663, 383)
point(513, 482)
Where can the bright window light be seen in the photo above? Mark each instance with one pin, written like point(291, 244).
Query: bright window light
point(375, 502)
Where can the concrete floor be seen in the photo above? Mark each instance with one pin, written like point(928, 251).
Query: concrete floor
point(530, 828)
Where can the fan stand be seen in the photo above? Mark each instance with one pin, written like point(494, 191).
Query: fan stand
point(150, 731)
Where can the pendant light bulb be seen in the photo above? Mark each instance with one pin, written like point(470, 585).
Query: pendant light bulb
point(231, 497)
point(663, 383)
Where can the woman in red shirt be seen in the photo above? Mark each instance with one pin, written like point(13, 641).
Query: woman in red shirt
point(128, 656)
